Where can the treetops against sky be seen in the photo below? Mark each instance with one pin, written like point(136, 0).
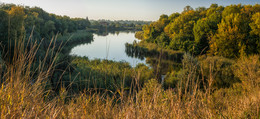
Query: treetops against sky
point(121, 9)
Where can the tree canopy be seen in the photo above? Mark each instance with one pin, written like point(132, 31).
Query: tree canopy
point(230, 31)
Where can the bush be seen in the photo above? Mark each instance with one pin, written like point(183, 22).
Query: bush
point(139, 35)
point(247, 69)
point(219, 71)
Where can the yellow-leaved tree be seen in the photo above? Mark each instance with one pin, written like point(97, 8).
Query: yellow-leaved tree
point(229, 41)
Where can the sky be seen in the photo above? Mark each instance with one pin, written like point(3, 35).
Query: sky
point(148, 10)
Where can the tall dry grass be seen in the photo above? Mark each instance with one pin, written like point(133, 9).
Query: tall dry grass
point(24, 95)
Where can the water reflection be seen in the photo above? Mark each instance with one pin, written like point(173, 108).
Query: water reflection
point(111, 47)
point(161, 62)
point(104, 33)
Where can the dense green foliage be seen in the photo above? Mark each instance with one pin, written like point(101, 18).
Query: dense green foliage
point(230, 31)
point(44, 25)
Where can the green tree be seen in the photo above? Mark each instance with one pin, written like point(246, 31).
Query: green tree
point(187, 8)
point(229, 41)
point(255, 25)
point(213, 6)
point(147, 30)
point(181, 30)
point(232, 9)
point(16, 25)
point(162, 40)
point(203, 30)
point(254, 42)
point(172, 17)
point(49, 27)
point(3, 27)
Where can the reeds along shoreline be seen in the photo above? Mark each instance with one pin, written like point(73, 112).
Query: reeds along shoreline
point(20, 98)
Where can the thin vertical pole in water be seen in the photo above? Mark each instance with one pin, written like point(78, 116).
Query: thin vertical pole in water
point(107, 45)
point(106, 58)
point(107, 51)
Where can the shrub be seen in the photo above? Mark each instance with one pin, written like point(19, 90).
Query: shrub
point(247, 69)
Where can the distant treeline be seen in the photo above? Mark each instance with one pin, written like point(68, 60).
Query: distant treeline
point(117, 25)
point(230, 31)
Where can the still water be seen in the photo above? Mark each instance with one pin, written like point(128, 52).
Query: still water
point(111, 47)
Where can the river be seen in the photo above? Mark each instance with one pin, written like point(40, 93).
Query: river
point(110, 46)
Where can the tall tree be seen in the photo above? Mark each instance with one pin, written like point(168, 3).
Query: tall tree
point(16, 22)
point(3, 26)
point(255, 34)
point(255, 25)
point(203, 30)
point(229, 41)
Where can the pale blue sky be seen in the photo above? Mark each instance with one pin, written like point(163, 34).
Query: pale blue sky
point(121, 9)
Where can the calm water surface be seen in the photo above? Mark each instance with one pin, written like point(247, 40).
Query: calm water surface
point(111, 47)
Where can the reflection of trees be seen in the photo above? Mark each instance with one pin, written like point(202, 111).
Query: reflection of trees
point(75, 42)
point(165, 65)
point(169, 61)
point(133, 50)
point(101, 33)
point(104, 33)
